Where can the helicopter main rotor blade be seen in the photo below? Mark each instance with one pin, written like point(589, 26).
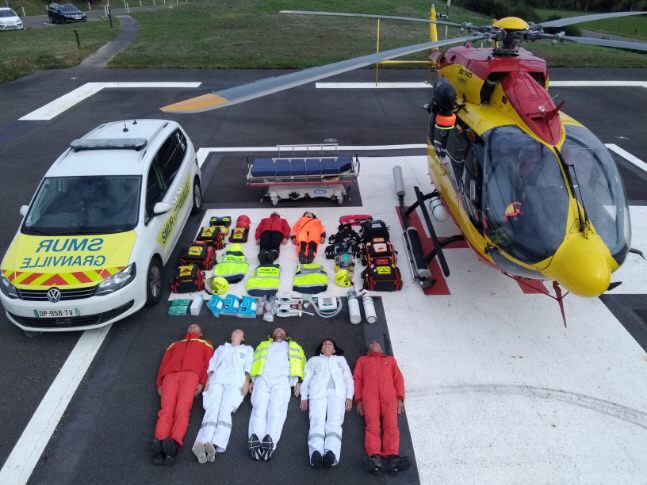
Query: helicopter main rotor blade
point(263, 87)
point(369, 16)
point(620, 44)
point(586, 18)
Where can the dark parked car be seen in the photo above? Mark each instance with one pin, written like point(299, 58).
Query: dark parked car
point(60, 13)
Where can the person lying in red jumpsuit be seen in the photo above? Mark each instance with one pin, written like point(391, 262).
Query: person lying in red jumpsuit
point(379, 394)
point(181, 378)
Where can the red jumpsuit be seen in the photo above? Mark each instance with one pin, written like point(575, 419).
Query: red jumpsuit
point(183, 367)
point(379, 385)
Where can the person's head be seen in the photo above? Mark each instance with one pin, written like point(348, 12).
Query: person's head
point(328, 347)
point(194, 328)
point(309, 214)
point(237, 337)
point(279, 335)
point(375, 346)
point(275, 214)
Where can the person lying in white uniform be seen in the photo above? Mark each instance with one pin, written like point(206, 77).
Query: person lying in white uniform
point(228, 383)
point(328, 385)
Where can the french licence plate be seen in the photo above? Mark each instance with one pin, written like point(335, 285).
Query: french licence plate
point(63, 312)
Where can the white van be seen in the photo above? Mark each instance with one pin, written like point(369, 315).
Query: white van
point(103, 222)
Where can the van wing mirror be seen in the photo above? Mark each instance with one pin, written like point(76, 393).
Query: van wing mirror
point(161, 208)
point(23, 210)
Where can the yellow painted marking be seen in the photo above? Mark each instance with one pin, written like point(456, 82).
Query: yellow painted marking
point(195, 105)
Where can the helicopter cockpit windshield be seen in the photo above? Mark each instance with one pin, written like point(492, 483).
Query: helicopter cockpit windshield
point(601, 187)
point(525, 196)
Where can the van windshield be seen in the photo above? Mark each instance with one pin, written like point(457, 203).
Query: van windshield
point(7, 12)
point(84, 205)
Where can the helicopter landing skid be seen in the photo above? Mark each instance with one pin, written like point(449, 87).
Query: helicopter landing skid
point(418, 260)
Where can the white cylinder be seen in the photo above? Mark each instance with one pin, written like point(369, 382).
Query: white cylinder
point(354, 314)
point(438, 209)
point(369, 308)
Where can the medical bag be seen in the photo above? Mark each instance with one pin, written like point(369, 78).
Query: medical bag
point(378, 252)
point(199, 253)
point(188, 278)
point(222, 222)
point(382, 278)
point(212, 235)
point(239, 235)
point(374, 228)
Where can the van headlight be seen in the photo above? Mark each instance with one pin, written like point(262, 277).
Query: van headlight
point(7, 288)
point(116, 281)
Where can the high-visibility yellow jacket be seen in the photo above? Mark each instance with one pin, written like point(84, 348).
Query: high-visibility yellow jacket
point(232, 265)
point(310, 278)
point(264, 281)
point(296, 358)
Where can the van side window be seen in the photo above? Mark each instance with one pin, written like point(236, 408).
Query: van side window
point(155, 190)
point(171, 155)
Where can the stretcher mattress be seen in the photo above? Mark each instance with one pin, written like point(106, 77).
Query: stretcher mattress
point(297, 167)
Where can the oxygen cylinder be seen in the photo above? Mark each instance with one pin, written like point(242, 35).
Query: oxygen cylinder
point(438, 209)
point(369, 308)
point(270, 310)
point(354, 314)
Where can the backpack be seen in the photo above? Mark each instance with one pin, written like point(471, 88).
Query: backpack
point(222, 223)
point(379, 252)
point(374, 228)
point(239, 234)
point(212, 235)
point(382, 278)
point(188, 278)
point(199, 253)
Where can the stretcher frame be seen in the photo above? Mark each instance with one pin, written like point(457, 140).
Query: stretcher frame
point(294, 185)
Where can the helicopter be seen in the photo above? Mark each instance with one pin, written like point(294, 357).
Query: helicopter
point(535, 193)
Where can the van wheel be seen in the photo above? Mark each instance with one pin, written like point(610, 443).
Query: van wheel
point(197, 197)
point(154, 282)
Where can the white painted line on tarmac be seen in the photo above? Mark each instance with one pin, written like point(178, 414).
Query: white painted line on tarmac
point(27, 451)
point(401, 85)
point(203, 153)
point(421, 85)
point(627, 156)
point(67, 101)
point(598, 84)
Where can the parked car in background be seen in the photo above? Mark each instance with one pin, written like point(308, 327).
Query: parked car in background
point(61, 13)
point(9, 20)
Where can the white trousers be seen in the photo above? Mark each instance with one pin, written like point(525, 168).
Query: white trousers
point(220, 401)
point(270, 399)
point(326, 419)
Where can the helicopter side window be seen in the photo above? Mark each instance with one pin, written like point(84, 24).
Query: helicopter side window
point(525, 202)
point(472, 191)
point(457, 145)
point(601, 187)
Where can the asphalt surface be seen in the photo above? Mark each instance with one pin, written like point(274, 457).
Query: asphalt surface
point(102, 437)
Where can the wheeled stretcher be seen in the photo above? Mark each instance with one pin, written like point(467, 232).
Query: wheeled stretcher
point(292, 178)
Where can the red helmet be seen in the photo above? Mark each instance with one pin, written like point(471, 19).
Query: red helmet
point(243, 221)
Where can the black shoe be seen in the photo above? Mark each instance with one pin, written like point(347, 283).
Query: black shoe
point(272, 255)
point(303, 259)
point(263, 256)
point(156, 453)
point(316, 461)
point(169, 448)
point(374, 464)
point(267, 448)
point(329, 459)
point(254, 447)
point(397, 463)
point(310, 257)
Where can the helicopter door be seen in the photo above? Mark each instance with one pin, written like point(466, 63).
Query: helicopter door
point(457, 146)
point(472, 186)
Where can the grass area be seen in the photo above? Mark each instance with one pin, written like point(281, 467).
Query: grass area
point(26, 51)
point(635, 27)
point(251, 34)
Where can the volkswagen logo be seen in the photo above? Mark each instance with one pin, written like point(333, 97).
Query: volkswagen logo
point(53, 295)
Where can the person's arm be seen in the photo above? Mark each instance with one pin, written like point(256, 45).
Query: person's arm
point(285, 229)
point(259, 230)
point(398, 382)
point(207, 353)
point(163, 369)
point(358, 378)
point(307, 377)
point(348, 379)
